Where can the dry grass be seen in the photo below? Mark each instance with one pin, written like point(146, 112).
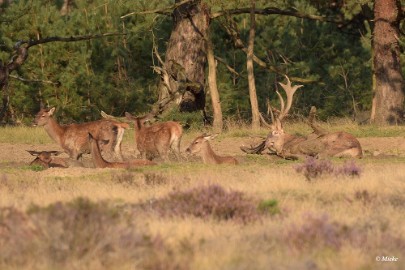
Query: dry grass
point(23, 134)
point(331, 222)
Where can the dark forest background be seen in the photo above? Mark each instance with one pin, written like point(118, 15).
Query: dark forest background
point(332, 58)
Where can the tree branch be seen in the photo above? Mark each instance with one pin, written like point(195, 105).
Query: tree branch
point(234, 34)
point(164, 10)
point(276, 11)
point(30, 81)
point(20, 56)
point(21, 53)
point(32, 42)
point(231, 69)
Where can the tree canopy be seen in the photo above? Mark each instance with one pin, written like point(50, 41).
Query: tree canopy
point(328, 46)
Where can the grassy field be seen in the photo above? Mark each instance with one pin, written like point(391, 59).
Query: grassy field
point(262, 214)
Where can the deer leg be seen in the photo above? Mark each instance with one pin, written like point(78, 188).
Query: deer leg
point(176, 148)
point(74, 154)
point(352, 152)
point(254, 149)
point(289, 156)
point(144, 155)
point(164, 154)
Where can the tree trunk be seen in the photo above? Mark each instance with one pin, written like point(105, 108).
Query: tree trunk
point(4, 72)
point(251, 76)
point(66, 7)
point(186, 57)
point(389, 95)
point(212, 83)
point(21, 54)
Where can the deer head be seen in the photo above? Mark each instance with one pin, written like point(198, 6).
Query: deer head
point(139, 121)
point(44, 156)
point(275, 140)
point(196, 146)
point(43, 116)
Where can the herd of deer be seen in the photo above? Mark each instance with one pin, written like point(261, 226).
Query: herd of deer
point(158, 139)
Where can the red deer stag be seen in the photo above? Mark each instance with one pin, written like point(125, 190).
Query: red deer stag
point(202, 147)
point(100, 162)
point(47, 160)
point(320, 143)
point(158, 139)
point(73, 138)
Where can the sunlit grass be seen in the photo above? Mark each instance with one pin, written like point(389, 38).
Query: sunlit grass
point(333, 222)
point(24, 134)
point(372, 204)
point(37, 135)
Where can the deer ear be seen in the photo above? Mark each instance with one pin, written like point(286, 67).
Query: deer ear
point(210, 137)
point(34, 153)
point(149, 117)
point(129, 116)
point(51, 111)
point(55, 153)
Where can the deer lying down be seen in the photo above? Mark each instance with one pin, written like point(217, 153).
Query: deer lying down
point(100, 162)
point(47, 160)
point(73, 138)
point(320, 143)
point(158, 139)
point(202, 147)
point(337, 144)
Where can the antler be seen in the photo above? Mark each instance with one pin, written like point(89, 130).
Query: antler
point(290, 91)
point(284, 107)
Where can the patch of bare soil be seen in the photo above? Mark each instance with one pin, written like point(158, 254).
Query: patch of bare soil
point(383, 146)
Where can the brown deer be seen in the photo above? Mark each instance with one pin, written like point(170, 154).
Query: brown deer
point(47, 160)
point(320, 143)
point(201, 146)
point(73, 138)
point(100, 162)
point(157, 139)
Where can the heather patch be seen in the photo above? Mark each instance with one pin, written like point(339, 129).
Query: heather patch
point(319, 232)
point(313, 168)
point(97, 235)
point(206, 202)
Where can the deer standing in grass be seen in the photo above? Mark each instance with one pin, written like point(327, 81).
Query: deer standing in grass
point(158, 139)
point(320, 143)
point(201, 146)
point(47, 159)
point(100, 162)
point(73, 138)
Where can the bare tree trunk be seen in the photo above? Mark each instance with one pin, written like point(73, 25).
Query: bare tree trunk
point(212, 83)
point(251, 76)
point(373, 86)
point(21, 54)
point(186, 57)
point(66, 7)
point(389, 95)
point(5, 108)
